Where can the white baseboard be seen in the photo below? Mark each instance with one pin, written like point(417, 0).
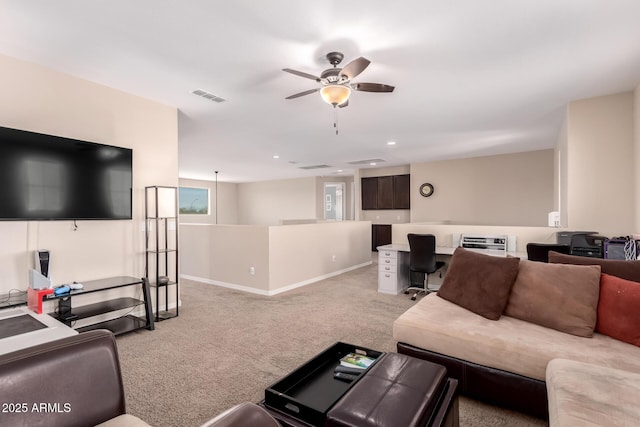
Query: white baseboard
point(274, 291)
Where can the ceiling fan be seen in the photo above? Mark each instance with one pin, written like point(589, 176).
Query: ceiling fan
point(336, 82)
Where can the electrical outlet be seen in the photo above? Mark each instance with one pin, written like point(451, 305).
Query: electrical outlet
point(252, 271)
point(554, 219)
point(333, 258)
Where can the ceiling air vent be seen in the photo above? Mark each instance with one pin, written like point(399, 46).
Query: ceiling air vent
point(314, 167)
point(366, 162)
point(208, 95)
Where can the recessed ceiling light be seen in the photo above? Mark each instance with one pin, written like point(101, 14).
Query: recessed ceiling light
point(275, 156)
point(391, 143)
point(339, 170)
point(372, 164)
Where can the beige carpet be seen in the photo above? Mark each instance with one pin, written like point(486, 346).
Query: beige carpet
point(227, 346)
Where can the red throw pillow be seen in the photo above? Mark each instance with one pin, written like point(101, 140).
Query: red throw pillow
point(619, 309)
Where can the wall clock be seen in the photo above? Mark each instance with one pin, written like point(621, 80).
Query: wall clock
point(426, 189)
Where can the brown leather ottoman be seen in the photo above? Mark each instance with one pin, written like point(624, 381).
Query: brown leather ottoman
point(399, 391)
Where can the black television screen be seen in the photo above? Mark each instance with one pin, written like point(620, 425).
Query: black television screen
point(44, 177)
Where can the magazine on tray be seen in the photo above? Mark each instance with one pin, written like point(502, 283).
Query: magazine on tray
point(358, 361)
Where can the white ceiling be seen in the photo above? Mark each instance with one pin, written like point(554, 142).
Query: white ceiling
point(472, 77)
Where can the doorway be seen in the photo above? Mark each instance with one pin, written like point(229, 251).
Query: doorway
point(334, 201)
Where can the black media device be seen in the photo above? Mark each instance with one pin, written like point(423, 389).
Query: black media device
point(47, 177)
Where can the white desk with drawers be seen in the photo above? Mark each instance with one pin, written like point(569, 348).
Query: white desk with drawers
point(393, 265)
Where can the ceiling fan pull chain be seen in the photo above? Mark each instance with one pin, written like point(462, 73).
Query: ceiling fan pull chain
point(335, 118)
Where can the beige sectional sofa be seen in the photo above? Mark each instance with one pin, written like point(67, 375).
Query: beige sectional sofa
point(584, 394)
point(527, 366)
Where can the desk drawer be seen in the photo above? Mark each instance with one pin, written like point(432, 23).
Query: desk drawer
point(387, 282)
point(387, 254)
point(387, 261)
point(391, 268)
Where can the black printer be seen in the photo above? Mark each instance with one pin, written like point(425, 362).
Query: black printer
point(588, 245)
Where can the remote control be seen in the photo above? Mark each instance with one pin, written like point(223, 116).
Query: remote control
point(348, 370)
point(344, 377)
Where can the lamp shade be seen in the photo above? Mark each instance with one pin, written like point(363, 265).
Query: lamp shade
point(335, 94)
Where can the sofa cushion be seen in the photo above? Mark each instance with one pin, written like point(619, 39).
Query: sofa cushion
point(558, 296)
point(478, 282)
point(510, 344)
point(125, 420)
point(582, 394)
point(629, 270)
point(619, 309)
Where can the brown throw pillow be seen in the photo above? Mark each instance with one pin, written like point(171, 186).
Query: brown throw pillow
point(558, 296)
point(619, 309)
point(478, 282)
point(629, 270)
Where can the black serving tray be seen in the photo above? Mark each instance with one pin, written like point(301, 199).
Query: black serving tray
point(310, 391)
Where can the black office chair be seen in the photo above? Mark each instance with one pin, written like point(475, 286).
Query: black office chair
point(540, 251)
point(422, 260)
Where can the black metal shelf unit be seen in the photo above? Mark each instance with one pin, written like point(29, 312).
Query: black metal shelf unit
point(69, 314)
point(161, 244)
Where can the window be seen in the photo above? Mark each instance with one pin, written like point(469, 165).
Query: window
point(193, 201)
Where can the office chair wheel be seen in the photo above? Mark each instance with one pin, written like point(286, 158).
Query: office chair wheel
point(406, 292)
point(413, 298)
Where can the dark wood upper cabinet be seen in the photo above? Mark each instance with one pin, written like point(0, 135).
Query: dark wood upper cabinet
point(401, 193)
point(369, 193)
point(386, 192)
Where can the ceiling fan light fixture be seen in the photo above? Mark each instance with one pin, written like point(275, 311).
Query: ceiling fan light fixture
point(335, 94)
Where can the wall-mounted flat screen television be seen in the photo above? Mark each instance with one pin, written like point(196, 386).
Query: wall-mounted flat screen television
point(45, 177)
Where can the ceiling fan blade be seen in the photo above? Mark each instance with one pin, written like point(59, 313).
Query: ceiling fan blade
point(372, 87)
point(301, 74)
point(306, 92)
point(355, 67)
point(344, 104)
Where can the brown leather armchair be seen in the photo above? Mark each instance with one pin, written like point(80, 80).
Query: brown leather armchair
point(77, 382)
point(74, 381)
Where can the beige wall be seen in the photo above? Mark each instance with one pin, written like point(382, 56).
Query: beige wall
point(304, 253)
point(223, 254)
point(269, 202)
point(41, 100)
point(509, 189)
point(226, 200)
point(601, 191)
point(561, 176)
point(282, 257)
